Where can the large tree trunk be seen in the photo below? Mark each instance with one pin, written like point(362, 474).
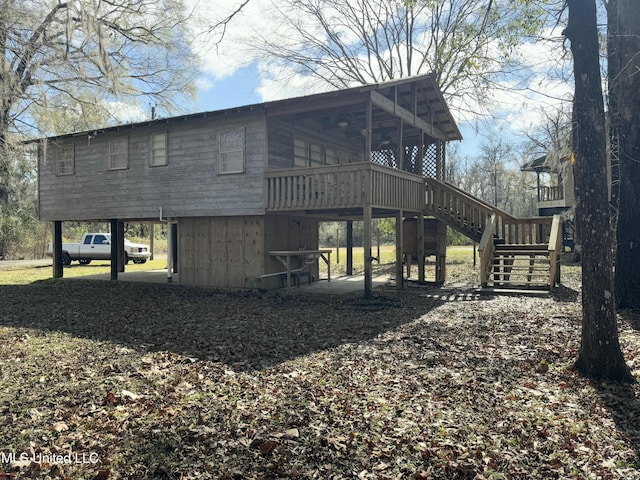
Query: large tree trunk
point(624, 111)
point(600, 355)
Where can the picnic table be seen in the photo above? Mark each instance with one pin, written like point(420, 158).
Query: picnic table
point(308, 256)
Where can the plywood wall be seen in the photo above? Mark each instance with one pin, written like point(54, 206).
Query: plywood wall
point(221, 252)
point(233, 252)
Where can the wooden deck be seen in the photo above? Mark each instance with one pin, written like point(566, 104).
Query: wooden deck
point(354, 185)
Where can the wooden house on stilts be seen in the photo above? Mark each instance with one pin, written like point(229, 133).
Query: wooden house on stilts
point(239, 188)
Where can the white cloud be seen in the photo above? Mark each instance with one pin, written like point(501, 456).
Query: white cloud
point(516, 105)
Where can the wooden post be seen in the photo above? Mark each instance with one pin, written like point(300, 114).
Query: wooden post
point(58, 269)
point(399, 252)
point(174, 245)
point(120, 241)
point(350, 247)
point(169, 252)
point(441, 258)
point(420, 240)
point(151, 240)
point(368, 267)
point(114, 249)
point(367, 209)
point(338, 244)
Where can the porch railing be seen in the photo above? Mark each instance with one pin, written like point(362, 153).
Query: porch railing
point(551, 194)
point(343, 186)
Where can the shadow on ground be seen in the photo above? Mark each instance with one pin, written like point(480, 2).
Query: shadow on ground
point(624, 406)
point(245, 330)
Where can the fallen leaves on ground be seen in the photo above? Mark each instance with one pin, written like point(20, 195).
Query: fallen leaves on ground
point(140, 381)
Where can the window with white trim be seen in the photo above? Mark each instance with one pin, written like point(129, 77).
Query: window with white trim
point(158, 149)
point(118, 156)
point(66, 161)
point(231, 151)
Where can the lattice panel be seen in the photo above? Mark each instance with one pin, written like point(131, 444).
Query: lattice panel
point(430, 161)
point(385, 157)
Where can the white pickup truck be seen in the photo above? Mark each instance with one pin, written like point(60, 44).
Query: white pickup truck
point(97, 246)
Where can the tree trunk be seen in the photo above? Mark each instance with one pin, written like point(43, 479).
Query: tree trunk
point(624, 105)
point(600, 355)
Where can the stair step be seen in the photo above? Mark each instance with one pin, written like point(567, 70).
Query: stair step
point(521, 253)
point(521, 246)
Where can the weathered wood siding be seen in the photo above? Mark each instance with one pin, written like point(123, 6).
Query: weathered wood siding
point(233, 252)
point(189, 185)
point(221, 252)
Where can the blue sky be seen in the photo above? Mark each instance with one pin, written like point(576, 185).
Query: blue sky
point(233, 91)
point(232, 77)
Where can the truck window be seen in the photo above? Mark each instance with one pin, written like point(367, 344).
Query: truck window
point(87, 239)
point(100, 240)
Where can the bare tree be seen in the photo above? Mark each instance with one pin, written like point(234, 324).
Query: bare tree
point(465, 42)
point(600, 354)
point(91, 51)
point(81, 56)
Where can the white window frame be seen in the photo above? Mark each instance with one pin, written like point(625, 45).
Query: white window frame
point(231, 151)
point(118, 153)
point(66, 161)
point(155, 158)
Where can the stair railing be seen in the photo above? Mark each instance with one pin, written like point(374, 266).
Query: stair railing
point(555, 249)
point(485, 250)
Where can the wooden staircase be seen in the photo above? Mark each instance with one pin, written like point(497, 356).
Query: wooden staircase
point(520, 266)
point(515, 253)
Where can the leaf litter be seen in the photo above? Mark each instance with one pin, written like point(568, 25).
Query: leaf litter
point(148, 381)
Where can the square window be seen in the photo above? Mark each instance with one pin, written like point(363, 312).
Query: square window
point(158, 149)
point(231, 150)
point(118, 157)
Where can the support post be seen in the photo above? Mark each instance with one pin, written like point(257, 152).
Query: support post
point(58, 269)
point(368, 264)
point(151, 240)
point(121, 251)
point(399, 252)
point(350, 247)
point(420, 244)
point(174, 245)
point(114, 249)
point(169, 251)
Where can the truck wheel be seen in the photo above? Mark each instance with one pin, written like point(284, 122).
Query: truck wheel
point(140, 260)
point(66, 259)
point(126, 258)
point(85, 261)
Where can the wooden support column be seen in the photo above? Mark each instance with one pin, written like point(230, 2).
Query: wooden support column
point(350, 247)
point(152, 229)
point(169, 251)
point(174, 245)
point(120, 240)
point(368, 264)
point(58, 269)
point(114, 249)
point(420, 163)
point(399, 252)
point(441, 258)
point(420, 240)
point(439, 161)
point(401, 165)
point(367, 209)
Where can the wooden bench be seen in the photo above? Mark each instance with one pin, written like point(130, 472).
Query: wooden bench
point(296, 275)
